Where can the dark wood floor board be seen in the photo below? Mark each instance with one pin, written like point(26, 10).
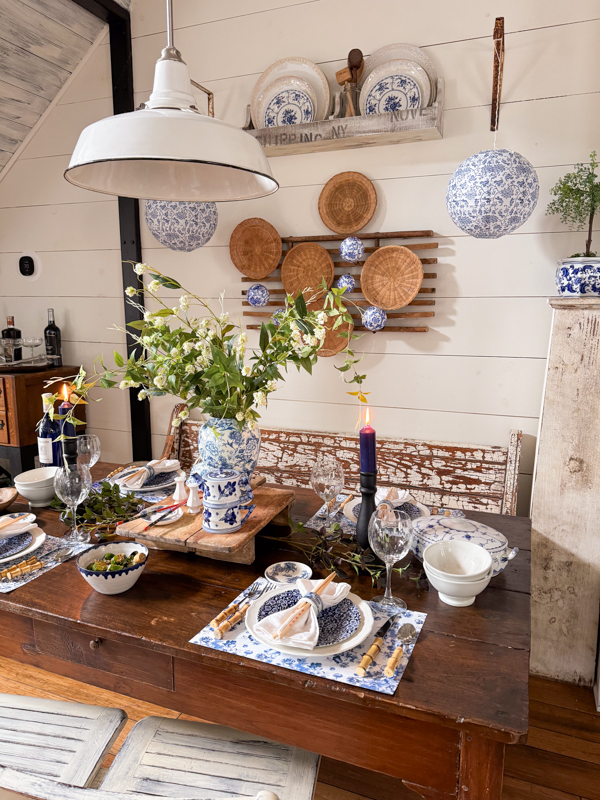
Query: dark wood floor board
point(579, 724)
point(515, 789)
point(565, 695)
point(564, 745)
point(554, 771)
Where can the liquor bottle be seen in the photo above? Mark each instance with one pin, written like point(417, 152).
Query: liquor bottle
point(10, 332)
point(49, 447)
point(52, 339)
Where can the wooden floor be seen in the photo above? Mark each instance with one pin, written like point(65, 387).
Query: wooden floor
point(561, 760)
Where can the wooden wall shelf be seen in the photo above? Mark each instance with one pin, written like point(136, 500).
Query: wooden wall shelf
point(339, 134)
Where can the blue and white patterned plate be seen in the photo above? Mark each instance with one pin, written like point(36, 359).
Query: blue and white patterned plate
point(287, 101)
point(288, 572)
point(396, 85)
point(15, 545)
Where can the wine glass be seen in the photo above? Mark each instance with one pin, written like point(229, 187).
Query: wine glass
point(73, 485)
point(88, 449)
point(327, 480)
point(390, 533)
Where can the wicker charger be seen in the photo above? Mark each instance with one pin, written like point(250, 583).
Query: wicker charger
point(335, 340)
point(391, 277)
point(304, 268)
point(347, 202)
point(255, 248)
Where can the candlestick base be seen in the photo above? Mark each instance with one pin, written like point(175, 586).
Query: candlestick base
point(368, 487)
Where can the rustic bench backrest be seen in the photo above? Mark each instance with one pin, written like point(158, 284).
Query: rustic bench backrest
point(472, 477)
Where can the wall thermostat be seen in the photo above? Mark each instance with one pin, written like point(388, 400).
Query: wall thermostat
point(30, 266)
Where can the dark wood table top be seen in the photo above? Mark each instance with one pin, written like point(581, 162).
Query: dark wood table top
point(469, 670)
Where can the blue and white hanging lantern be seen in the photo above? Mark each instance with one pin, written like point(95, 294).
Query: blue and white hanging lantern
point(352, 249)
point(492, 193)
point(179, 225)
point(258, 295)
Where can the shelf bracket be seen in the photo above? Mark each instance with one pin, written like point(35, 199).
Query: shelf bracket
point(498, 69)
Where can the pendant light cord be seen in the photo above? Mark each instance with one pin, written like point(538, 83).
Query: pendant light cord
point(170, 23)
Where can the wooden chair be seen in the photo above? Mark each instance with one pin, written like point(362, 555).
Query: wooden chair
point(57, 739)
point(471, 477)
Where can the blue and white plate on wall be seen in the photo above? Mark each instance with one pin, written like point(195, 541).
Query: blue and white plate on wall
point(408, 52)
point(287, 101)
point(395, 86)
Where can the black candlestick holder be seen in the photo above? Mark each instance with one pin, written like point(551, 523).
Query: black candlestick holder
point(368, 487)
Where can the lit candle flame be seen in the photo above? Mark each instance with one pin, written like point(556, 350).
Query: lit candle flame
point(66, 393)
point(368, 417)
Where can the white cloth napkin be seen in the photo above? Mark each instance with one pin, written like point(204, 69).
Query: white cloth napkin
point(133, 481)
point(394, 495)
point(21, 526)
point(305, 633)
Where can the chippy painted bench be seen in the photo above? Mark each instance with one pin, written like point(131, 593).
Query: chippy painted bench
point(471, 477)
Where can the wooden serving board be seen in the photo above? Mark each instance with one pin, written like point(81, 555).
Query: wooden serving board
point(186, 535)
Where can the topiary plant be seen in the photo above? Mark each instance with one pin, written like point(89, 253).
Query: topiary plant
point(577, 200)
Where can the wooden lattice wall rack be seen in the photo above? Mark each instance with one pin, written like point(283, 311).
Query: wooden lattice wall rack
point(423, 299)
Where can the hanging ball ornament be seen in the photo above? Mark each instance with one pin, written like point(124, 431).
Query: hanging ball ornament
point(180, 225)
point(492, 193)
point(258, 295)
point(352, 249)
point(374, 318)
point(277, 317)
point(346, 282)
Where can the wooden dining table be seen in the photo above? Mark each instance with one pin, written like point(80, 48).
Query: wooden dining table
point(442, 735)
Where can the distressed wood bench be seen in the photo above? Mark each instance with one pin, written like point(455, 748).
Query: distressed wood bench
point(468, 476)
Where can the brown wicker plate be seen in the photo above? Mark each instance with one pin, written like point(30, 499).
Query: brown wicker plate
point(347, 202)
point(391, 277)
point(333, 342)
point(255, 248)
point(304, 268)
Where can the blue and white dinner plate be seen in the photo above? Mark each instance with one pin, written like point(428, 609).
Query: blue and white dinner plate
point(287, 572)
point(287, 101)
point(299, 69)
point(160, 481)
point(395, 86)
point(15, 545)
point(24, 525)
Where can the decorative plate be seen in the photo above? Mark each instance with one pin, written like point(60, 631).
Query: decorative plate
point(395, 86)
point(391, 277)
point(173, 517)
point(24, 525)
point(288, 572)
point(347, 202)
point(414, 510)
point(39, 537)
point(14, 545)
point(445, 512)
point(304, 268)
point(287, 101)
point(255, 248)
point(296, 67)
point(162, 480)
point(407, 52)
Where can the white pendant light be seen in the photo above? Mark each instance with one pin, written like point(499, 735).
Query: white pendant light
point(167, 150)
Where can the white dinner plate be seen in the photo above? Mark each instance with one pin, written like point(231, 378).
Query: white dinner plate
point(293, 67)
point(383, 87)
point(150, 489)
point(39, 537)
point(355, 640)
point(348, 511)
point(27, 524)
point(400, 50)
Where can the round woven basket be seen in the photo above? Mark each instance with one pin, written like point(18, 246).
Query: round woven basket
point(333, 342)
point(347, 202)
point(391, 277)
point(304, 268)
point(255, 248)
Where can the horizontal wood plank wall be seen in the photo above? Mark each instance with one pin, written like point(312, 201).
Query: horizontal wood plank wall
point(479, 372)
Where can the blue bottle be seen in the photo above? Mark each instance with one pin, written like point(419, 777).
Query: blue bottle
point(49, 449)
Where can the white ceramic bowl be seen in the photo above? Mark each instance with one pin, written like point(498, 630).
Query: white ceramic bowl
point(37, 486)
point(111, 582)
point(457, 593)
point(457, 560)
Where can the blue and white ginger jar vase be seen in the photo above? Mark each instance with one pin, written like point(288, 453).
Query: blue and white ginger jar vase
point(258, 295)
point(180, 225)
point(223, 446)
point(352, 249)
point(578, 277)
point(374, 319)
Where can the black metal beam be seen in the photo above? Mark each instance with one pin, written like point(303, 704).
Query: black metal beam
point(121, 65)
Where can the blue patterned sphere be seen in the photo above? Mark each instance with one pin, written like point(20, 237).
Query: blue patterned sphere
point(258, 295)
point(277, 316)
point(180, 225)
point(346, 282)
point(352, 249)
point(374, 318)
point(492, 193)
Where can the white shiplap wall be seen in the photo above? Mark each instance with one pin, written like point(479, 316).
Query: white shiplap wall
point(479, 372)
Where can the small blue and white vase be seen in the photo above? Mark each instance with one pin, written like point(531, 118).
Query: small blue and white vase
point(346, 282)
point(352, 249)
point(180, 225)
point(578, 277)
point(258, 295)
point(223, 446)
point(374, 318)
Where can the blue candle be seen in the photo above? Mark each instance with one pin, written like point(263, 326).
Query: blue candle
point(69, 446)
point(368, 459)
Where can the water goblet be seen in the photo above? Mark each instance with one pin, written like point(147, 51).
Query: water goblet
point(88, 449)
point(327, 480)
point(72, 486)
point(390, 533)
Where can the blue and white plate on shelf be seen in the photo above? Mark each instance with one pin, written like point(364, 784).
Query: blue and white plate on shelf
point(401, 50)
point(288, 572)
point(287, 101)
point(395, 86)
point(299, 69)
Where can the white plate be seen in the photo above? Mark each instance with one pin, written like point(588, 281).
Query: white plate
point(355, 640)
point(149, 489)
point(28, 523)
point(407, 51)
point(348, 511)
point(293, 67)
point(39, 537)
point(287, 101)
point(393, 72)
point(173, 517)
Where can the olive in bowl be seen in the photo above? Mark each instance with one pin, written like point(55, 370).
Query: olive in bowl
point(114, 567)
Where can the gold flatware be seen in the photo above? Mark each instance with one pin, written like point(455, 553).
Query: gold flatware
point(230, 623)
point(372, 652)
point(406, 635)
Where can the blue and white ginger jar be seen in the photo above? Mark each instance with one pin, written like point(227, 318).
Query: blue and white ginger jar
point(492, 193)
point(352, 249)
point(346, 282)
point(578, 277)
point(374, 318)
point(181, 225)
point(258, 295)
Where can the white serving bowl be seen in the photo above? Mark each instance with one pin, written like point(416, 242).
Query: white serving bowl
point(37, 485)
point(457, 559)
point(111, 582)
point(457, 593)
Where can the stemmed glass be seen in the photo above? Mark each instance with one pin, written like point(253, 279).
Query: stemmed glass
point(88, 449)
point(73, 485)
point(327, 479)
point(390, 533)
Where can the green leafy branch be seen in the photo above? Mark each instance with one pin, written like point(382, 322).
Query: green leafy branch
point(577, 199)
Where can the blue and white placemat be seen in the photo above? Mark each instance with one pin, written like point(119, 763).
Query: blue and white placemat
point(51, 544)
point(340, 668)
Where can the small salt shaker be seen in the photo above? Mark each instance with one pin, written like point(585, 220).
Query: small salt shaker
point(194, 503)
point(180, 494)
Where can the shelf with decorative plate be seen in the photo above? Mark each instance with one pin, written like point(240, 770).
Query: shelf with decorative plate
point(416, 125)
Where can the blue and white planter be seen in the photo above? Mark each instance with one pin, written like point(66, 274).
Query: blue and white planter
point(258, 295)
point(578, 277)
point(223, 446)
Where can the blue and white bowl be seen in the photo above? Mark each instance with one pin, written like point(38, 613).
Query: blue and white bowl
point(180, 225)
point(258, 295)
point(374, 319)
point(578, 277)
point(288, 572)
point(346, 282)
point(352, 249)
point(112, 582)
